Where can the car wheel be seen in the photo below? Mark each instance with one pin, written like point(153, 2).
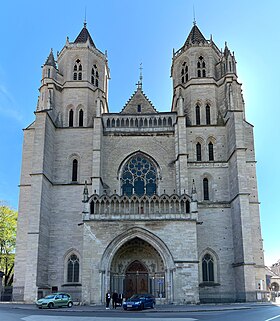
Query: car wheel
point(50, 305)
point(153, 305)
point(70, 304)
point(125, 308)
point(141, 307)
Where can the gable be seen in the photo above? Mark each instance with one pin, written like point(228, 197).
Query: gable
point(138, 104)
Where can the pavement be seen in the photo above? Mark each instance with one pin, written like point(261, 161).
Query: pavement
point(158, 308)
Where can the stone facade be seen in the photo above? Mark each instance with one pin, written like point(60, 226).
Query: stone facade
point(139, 201)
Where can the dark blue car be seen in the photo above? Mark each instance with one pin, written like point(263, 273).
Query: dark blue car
point(140, 302)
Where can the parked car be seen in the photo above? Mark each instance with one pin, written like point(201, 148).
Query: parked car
point(140, 302)
point(55, 300)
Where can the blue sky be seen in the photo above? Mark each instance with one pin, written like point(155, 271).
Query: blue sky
point(144, 31)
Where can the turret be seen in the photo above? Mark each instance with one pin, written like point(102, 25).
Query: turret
point(49, 74)
point(49, 69)
point(227, 65)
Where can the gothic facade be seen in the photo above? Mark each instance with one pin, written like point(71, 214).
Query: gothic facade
point(139, 201)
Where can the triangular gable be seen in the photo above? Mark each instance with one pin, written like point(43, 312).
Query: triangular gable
point(138, 104)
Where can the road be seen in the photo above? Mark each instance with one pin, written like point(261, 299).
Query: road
point(262, 313)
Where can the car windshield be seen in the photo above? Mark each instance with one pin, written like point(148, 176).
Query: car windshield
point(135, 296)
point(49, 297)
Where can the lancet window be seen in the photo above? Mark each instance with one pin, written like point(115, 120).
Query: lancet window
point(77, 70)
point(184, 73)
point(201, 67)
point(71, 118)
point(207, 268)
point(74, 170)
point(211, 151)
point(73, 269)
point(94, 76)
point(197, 115)
point(81, 118)
point(205, 189)
point(198, 152)
point(207, 114)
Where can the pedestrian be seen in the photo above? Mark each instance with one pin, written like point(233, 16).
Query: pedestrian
point(115, 299)
point(121, 298)
point(108, 299)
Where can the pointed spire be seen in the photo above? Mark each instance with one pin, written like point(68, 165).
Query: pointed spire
point(84, 36)
point(195, 36)
point(226, 50)
point(50, 60)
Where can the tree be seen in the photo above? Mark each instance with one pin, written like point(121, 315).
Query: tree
point(8, 226)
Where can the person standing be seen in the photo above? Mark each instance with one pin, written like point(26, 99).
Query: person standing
point(115, 299)
point(108, 299)
point(121, 298)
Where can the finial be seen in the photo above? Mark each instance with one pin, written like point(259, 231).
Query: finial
point(85, 193)
point(194, 22)
point(193, 188)
point(139, 84)
point(85, 20)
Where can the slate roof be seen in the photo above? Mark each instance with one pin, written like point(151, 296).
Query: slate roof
point(195, 36)
point(50, 60)
point(83, 36)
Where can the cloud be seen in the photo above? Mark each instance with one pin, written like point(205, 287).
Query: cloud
point(8, 105)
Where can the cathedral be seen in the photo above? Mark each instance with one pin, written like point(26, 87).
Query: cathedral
point(140, 201)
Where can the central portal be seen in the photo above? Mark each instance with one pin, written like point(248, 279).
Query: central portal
point(138, 268)
point(136, 279)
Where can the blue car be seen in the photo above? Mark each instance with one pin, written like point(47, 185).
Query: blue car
point(140, 302)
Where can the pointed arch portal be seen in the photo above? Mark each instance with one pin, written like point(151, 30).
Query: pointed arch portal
point(137, 267)
point(122, 255)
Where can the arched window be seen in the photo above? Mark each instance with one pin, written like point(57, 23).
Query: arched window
point(201, 67)
point(94, 76)
point(71, 118)
point(77, 70)
point(208, 118)
point(73, 269)
point(198, 152)
point(205, 189)
point(197, 115)
point(211, 151)
point(184, 73)
point(81, 118)
point(139, 176)
point(207, 268)
point(187, 206)
point(74, 170)
point(92, 207)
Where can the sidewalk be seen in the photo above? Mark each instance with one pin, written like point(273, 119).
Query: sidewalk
point(158, 308)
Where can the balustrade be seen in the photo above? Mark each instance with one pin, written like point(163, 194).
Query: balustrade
point(160, 121)
point(134, 207)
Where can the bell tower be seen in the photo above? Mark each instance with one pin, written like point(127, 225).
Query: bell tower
point(72, 85)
